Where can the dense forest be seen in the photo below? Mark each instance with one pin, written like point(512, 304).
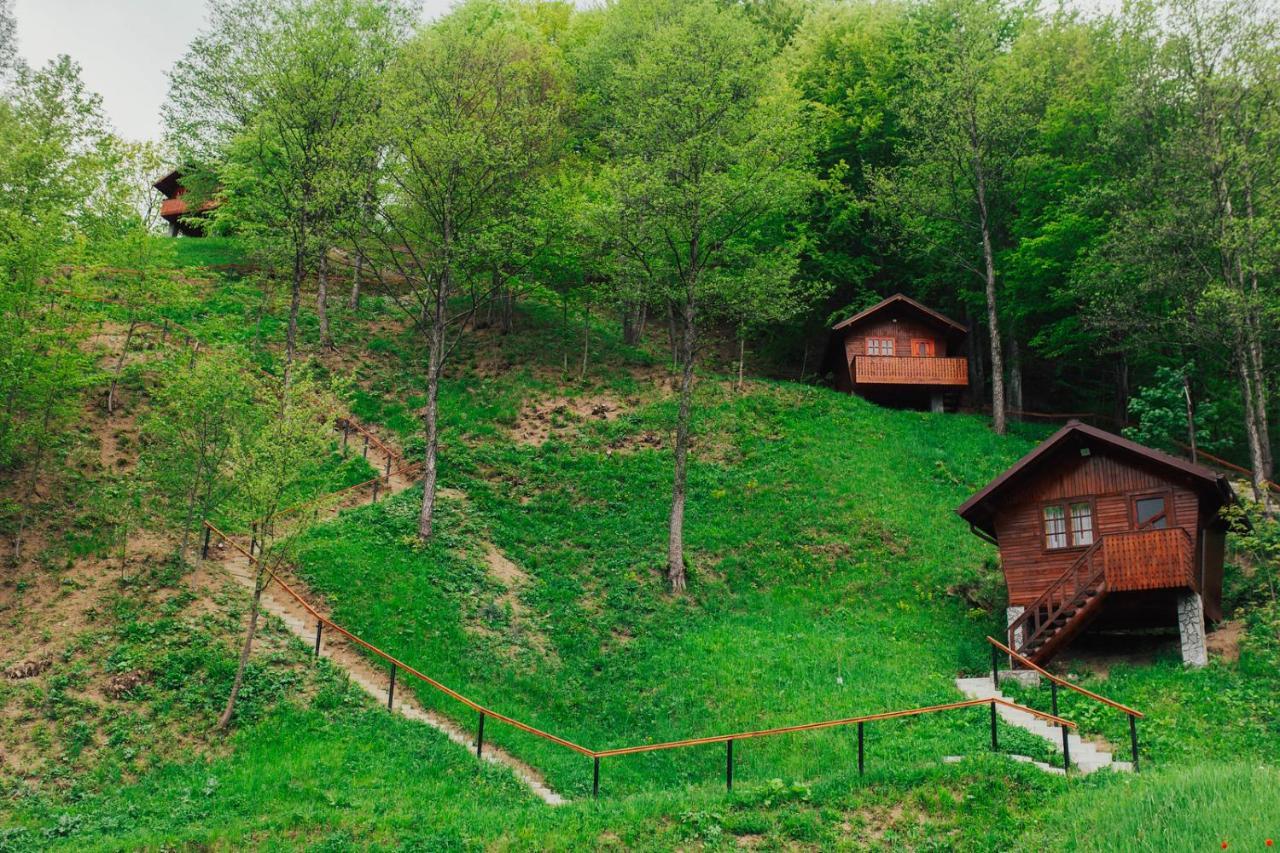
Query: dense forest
point(1094, 194)
point(501, 368)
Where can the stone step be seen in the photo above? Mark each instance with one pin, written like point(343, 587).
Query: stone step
point(1085, 756)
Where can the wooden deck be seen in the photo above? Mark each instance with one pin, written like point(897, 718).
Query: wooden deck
point(908, 370)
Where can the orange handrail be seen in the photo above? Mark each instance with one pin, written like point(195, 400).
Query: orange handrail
point(627, 750)
point(1063, 682)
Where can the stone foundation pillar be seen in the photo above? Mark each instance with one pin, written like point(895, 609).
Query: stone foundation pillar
point(935, 402)
point(1010, 614)
point(1191, 629)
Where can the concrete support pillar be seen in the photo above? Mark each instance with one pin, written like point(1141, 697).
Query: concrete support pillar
point(1191, 629)
point(935, 402)
point(1010, 614)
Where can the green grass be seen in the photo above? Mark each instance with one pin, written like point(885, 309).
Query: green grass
point(829, 578)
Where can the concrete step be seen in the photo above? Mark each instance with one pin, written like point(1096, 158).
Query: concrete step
point(1085, 757)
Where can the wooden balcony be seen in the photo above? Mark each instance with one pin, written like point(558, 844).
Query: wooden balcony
point(1149, 559)
point(909, 370)
point(172, 207)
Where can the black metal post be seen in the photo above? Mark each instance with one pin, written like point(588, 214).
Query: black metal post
point(387, 473)
point(1133, 740)
point(164, 336)
point(204, 551)
point(995, 668)
point(995, 741)
point(391, 691)
point(253, 537)
point(480, 736)
point(346, 430)
point(1053, 688)
point(861, 765)
point(728, 765)
point(595, 782)
point(1066, 750)
point(319, 625)
point(366, 446)
point(375, 491)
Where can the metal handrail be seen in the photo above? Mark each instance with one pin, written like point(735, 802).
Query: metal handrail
point(596, 754)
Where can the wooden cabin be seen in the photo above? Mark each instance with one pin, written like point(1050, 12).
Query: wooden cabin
point(899, 352)
point(173, 209)
point(1097, 530)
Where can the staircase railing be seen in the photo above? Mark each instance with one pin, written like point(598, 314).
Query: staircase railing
point(1084, 574)
point(1055, 682)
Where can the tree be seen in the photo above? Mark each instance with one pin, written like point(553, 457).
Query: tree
point(262, 102)
point(266, 467)
point(967, 111)
point(709, 147)
point(470, 111)
point(202, 417)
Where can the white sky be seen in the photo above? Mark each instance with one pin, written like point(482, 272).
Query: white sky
point(125, 48)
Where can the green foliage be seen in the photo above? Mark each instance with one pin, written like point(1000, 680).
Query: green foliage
point(1161, 412)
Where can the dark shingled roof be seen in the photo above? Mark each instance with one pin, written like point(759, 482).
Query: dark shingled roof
point(896, 299)
point(979, 509)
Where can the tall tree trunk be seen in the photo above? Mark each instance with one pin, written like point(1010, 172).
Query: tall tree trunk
point(1122, 389)
point(1191, 417)
point(258, 584)
point(993, 320)
point(430, 418)
point(1257, 457)
point(115, 378)
point(742, 356)
point(295, 303)
point(586, 338)
point(977, 361)
point(1015, 375)
point(322, 299)
point(675, 528)
point(507, 314)
point(353, 301)
point(673, 336)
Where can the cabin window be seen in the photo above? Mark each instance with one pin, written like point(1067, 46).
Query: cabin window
point(1055, 527)
point(922, 348)
point(879, 346)
point(1081, 524)
point(1151, 512)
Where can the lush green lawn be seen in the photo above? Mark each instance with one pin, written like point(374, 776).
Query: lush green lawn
point(829, 577)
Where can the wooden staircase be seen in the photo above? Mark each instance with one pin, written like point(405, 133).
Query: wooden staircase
point(1063, 610)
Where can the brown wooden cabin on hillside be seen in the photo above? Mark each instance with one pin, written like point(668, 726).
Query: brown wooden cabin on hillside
point(900, 352)
point(173, 209)
point(1095, 529)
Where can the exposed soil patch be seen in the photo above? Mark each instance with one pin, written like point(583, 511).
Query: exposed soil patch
point(560, 416)
point(505, 571)
point(1224, 642)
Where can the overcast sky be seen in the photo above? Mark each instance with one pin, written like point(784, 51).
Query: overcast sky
point(125, 48)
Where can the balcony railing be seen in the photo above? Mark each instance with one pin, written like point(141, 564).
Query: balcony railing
point(910, 370)
point(1149, 559)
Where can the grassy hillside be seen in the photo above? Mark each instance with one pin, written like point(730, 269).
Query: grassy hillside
point(829, 577)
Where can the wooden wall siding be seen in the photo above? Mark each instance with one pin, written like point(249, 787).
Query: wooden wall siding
point(903, 332)
point(1109, 482)
point(896, 370)
point(1149, 559)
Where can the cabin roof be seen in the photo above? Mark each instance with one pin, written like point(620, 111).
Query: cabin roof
point(907, 301)
point(979, 510)
point(169, 184)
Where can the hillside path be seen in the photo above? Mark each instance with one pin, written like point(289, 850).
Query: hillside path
point(371, 677)
point(1085, 757)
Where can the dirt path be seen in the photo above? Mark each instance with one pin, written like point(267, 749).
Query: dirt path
point(373, 678)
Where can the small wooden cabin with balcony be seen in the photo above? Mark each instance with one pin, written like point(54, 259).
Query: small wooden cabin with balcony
point(901, 353)
point(1097, 530)
point(173, 209)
